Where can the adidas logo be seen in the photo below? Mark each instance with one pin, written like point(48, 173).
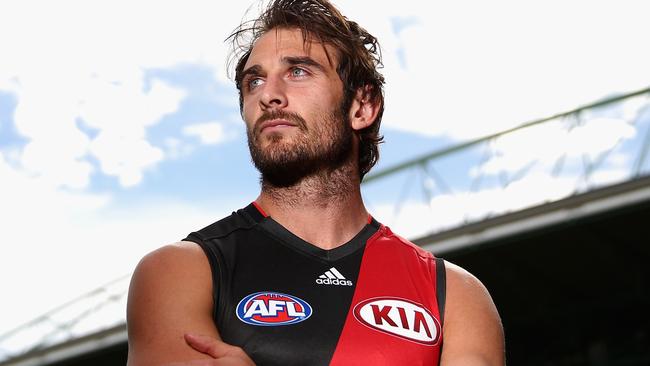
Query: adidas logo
point(333, 277)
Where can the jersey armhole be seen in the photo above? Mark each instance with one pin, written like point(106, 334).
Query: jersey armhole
point(215, 268)
point(441, 294)
point(441, 288)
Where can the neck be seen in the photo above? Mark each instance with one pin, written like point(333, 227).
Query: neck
point(325, 209)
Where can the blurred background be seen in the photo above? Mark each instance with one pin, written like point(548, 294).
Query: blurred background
point(517, 137)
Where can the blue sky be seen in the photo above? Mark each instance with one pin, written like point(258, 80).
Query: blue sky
point(120, 131)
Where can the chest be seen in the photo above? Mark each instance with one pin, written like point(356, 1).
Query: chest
point(287, 307)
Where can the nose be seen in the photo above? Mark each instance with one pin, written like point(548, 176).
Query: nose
point(274, 94)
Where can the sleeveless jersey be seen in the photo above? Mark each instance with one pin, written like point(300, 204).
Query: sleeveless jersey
point(375, 300)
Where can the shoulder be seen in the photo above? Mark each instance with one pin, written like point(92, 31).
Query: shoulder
point(473, 332)
point(180, 266)
point(175, 255)
point(236, 221)
point(402, 244)
point(171, 264)
point(461, 283)
point(170, 293)
point(164, 275)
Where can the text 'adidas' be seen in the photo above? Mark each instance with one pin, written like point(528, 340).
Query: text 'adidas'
point(333, 277)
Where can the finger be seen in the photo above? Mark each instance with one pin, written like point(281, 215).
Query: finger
point(208, 345)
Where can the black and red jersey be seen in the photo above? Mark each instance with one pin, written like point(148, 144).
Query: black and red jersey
point(376, 300)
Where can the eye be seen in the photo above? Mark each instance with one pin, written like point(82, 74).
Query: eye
point(254, 83)
point(298, 72)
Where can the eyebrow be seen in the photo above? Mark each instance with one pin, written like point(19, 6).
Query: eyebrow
point(256, 70)
point(302, 60)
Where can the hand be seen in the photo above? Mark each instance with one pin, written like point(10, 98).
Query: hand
point(225, 354)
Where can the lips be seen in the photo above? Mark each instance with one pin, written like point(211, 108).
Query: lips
point(278, 119)
point(275, 123)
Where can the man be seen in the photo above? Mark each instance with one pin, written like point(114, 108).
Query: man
point(304, 275)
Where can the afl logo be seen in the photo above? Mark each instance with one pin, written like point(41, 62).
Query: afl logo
point(399, 317)
point(272, 308)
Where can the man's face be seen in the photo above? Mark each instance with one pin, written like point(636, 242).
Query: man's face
point(292, 106)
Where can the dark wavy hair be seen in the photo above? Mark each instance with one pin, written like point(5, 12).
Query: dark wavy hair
point(358, 52)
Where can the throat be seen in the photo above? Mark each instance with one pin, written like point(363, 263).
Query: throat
point(325, 210)
point(321, 190)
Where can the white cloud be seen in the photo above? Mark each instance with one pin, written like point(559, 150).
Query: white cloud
point(176, 149)
point(414, 218)
point(472, 69)
point(469, 70)
point(38, 224)
point(57, 147)
point(57, 245)
point(543, 147)
point(599, 135)
point(124, 155)
point(445, 211)
point(633, 106)
point(137, 109)
point(209, 133)
point(88, 64)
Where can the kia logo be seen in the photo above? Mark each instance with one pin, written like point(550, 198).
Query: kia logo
point(399, 317)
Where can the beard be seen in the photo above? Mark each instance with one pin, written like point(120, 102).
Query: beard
point(324, 147)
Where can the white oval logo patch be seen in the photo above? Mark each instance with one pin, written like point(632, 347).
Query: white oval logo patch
point(399, 317)
point(272, 309)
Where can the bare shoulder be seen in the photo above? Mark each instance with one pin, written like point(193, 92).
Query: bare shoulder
point(473, 334)
point(462, 285)
point(170, 294)
point(173, 255)
point(180, 266)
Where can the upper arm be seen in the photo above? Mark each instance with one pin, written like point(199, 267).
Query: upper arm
point(170, 294)
point(473, 334)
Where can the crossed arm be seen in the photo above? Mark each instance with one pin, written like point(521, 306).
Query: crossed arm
point(169, 315)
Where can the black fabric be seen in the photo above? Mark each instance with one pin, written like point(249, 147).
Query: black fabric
point(441, 288)
point(441, 293)
point(286, 237)
point(249, 252)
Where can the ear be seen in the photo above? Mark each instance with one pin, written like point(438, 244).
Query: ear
point(363, 111)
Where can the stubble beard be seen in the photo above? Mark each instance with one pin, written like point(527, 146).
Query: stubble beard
point(322, 151)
